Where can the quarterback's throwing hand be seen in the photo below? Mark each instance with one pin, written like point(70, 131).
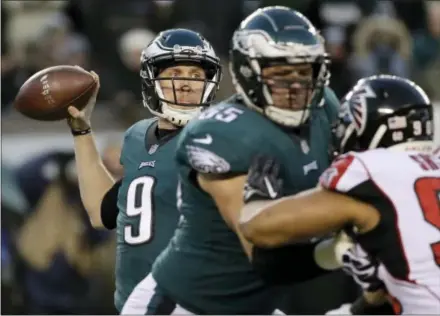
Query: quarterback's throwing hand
point(80, 120)
point(263, 182)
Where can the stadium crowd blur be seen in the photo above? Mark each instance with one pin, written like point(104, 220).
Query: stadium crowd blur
point(53, 262)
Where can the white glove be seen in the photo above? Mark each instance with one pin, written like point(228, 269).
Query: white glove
point(357, 263)
point(344, 309)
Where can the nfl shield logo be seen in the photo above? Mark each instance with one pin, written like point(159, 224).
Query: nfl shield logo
point(153, 149)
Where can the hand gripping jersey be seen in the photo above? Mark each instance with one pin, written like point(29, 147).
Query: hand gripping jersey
point(405, 188)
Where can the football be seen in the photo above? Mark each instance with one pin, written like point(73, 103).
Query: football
point(47, 94)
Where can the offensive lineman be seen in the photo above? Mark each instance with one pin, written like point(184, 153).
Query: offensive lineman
point(284, 108)
point(180, 74)
point(386, 200)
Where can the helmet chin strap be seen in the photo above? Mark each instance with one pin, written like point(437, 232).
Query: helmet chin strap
point(284, 117)
point(287, 118)
point(179, 117)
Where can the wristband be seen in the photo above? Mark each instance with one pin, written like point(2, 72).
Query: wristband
point(81, 132)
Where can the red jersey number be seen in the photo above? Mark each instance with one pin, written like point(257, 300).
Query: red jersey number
point(428, 193)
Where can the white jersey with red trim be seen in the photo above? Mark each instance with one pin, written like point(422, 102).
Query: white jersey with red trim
point(405, 188)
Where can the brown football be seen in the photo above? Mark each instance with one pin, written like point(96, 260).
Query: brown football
point(47, 94)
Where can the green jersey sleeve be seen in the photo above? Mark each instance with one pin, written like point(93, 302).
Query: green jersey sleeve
point(214, 145)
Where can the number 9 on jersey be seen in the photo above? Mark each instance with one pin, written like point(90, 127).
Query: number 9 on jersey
point(140, 205)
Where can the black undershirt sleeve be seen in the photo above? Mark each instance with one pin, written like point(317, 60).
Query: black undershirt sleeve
point(287, 264)
point(109, 206)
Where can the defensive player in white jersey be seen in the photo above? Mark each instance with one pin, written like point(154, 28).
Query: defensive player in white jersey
point(386, 200)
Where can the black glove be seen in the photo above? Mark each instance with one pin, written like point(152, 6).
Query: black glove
point(263, 181)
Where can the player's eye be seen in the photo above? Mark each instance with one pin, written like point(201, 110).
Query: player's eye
point(196, 75)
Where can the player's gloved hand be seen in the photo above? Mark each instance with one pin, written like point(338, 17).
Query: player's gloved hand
point(263, 181)
point(79, 121)
point(362, 268)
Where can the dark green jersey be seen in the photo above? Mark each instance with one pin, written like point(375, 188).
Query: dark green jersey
point(204, 268)
point(147, 204)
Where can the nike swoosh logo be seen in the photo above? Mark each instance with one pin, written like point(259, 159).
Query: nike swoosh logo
point(269, 187)
point(206, 140)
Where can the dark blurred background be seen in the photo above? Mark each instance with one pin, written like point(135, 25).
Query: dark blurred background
point(53, 262)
